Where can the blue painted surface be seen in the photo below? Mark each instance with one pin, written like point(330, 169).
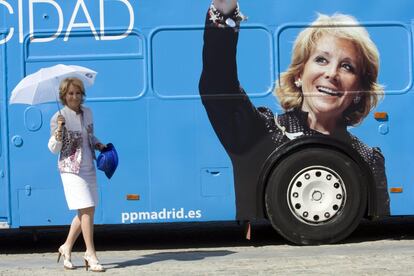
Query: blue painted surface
point(4, 198)
point(145, 101)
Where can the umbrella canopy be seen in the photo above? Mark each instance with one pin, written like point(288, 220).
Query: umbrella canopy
point(43, 85)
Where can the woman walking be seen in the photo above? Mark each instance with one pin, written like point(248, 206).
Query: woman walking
point(72, 137)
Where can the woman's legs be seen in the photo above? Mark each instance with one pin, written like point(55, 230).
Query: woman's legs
point(83, 222)
point(65, 249)
point(74, 232)
point(86, 216)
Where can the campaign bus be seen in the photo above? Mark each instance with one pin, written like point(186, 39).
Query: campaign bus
point(292, 111)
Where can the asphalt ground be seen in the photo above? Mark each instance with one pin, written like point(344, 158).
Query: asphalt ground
point(384, 247)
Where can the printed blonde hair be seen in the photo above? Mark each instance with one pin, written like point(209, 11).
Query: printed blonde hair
point(344, 27)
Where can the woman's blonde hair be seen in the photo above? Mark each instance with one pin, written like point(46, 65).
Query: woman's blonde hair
point(64, 87)
point(340, 26)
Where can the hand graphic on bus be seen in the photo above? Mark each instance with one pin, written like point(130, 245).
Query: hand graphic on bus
point(225, 6)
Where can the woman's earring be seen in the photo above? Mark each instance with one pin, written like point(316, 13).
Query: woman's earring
point(357, 99)
point(298, 83)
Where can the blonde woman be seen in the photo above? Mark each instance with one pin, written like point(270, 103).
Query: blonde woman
point(72, 137)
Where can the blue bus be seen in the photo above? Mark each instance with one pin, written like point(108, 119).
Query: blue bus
point(168, 95)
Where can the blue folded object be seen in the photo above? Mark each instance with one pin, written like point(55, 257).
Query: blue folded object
point(107, 160)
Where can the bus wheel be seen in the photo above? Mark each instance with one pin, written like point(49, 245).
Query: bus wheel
point(315, 196)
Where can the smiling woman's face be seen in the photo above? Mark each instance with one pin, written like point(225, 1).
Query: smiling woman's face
point(330, 77)
point(74, 97)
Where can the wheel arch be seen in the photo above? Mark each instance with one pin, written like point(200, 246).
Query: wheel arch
point(315, 142)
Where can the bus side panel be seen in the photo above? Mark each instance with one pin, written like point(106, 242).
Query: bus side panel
point(4, 195)
point(191, 175)
point(125, 125)
point(399, 147)
point(34, 179)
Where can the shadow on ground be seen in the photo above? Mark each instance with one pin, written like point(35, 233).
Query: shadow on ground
point(184, 236)
point(191, 255)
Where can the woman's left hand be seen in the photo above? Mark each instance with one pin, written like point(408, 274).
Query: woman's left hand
point(100, 146)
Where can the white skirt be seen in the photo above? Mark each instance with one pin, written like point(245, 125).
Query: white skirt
point(81, 190)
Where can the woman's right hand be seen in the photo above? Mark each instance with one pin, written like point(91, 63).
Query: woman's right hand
point(60, 122)
point(59, 130)
point(225, 6)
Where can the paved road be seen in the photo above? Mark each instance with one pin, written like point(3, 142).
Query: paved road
point(381, 248)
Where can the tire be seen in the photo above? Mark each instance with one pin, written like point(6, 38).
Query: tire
point(315, 196)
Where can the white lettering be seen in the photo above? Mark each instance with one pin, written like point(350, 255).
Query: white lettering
point(102, 21)
point(20, 8)
point(33, 32)
point(191, 214)
point(72, 23)
point(198, 214)
point(144, 215)
point(125, 217)
point(11, 31)
point(180, 214)
point(134, 216)
point(31, 21)
point(160, 215)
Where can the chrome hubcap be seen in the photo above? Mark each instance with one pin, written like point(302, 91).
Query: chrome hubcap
point(316, 195)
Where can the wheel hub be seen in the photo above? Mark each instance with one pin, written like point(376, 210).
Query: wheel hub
point(316, 195)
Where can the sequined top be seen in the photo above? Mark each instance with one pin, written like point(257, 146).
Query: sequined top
point(249, 134)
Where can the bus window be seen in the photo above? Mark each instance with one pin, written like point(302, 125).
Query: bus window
point(175, 59)
point(119, 60)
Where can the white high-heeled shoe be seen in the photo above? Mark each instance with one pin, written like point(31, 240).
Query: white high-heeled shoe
point(67, 263)
point(92, 264)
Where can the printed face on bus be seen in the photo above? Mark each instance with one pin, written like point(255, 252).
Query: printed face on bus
point(330, 77)
point(73, 97)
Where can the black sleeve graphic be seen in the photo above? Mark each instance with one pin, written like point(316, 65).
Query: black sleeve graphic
point(235, 120)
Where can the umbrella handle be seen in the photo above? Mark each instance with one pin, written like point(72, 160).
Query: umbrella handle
point(60, 113)
point(57, 103)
